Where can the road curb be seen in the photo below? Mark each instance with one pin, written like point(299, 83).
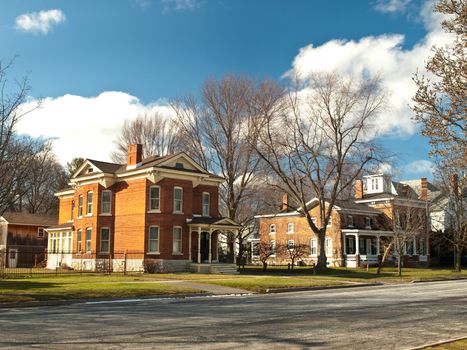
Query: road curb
point(304, 289)
point(440, 280)
point(438, 343)
point(25, 304)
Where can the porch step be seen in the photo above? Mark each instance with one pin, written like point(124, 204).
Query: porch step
point(224, 269)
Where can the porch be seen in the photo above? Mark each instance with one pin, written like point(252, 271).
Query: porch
point(204, 242)
point(363, 246)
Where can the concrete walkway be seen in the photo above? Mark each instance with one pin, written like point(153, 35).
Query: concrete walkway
point(210, 288)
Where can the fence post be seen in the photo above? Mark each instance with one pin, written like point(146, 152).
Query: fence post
point(110, 270)
point(124, 264)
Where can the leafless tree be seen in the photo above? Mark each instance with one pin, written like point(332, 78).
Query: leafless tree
point(317, 140)
point(16, 151)
point(452, 181)
point(294, 250)
point(440, 101)
point(156, 132)
point(215, 129)
point(265, 252)
point(409, 223)
point(45, 176)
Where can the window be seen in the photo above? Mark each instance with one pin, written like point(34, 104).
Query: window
point(106, 202)
point(330, 221)
point(79, 242)
point(421, 246)
point(290, 244)
point(40, 232)
point(178, 199)
point(153, 246)
point(313, 247)
point(54, 243)
point(72, 209)
point(179, 165)
point(328, 246)
point(368, 222)
point(272, 228)
point(350, 222)
point(273, 247)
point(206, 200)
point(255, 249)
point(80, 206)
point(409, 247)
point(350, 245)
point(89, 203)
point(177, 240)
point(105, 240)
point(314, 220)
point(88, 240)
point(290, 227)
point(154, 198)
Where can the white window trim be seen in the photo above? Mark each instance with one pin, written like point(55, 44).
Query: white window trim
point(328, 239)
point(87, 203)
point(293, 244)
point(181, 210)
point(275, 247)
point(79, 243)
point(102, 203)
point(149, 204)
point(329, 222)
point(158, 240)
point(100, 240)
point(209, 204)
point(86, 241)
point(288, 227)
point(82, 205)
point(270, 231)
point(181, 240)
point(316, 246)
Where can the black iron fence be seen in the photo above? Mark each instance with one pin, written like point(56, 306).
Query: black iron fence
point(15, 262)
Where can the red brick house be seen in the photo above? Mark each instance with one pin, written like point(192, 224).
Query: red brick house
point(163, 209)
point(23, 238)
point(357, 227)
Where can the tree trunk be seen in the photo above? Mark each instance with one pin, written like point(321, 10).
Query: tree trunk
point(265, 266)
point(399, 266)
point(383, 259)
point(322, 262)
point(458, 250)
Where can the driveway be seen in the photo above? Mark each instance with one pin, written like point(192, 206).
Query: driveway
point(382, 317)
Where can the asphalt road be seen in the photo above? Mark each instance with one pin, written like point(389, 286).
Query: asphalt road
point(384, 317)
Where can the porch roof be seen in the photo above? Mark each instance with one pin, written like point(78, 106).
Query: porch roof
point(358, 232)
point(214, 223)
point(60, 227)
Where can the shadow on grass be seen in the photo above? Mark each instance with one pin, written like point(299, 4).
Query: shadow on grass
point(307, 271)
point(22, 286)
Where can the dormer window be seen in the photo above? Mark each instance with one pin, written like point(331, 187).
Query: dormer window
point(350, 221)
point(179, 165)
point(368, 222)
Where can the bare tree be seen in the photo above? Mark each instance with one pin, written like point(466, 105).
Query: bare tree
point(317, 140)
point(266, 250)
point(409, 223)
point(216, 129)
point(440, 102)
point(294, 250)
point(156, 132)
point(16, 151)
point(45, 176)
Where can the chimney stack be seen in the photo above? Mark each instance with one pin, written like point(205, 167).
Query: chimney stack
point(285, 202)
point(358, 189)
point(454, 184)
point(424, 189)
point(135, 152)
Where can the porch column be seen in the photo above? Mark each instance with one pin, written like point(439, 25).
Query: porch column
point(210, 245)
point(199, 244)
point(357, 245)
point(235, 248)
point(189, 244)
point(377, 246)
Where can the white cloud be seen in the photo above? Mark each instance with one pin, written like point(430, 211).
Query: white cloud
point(39, 22)
point(391, 6)
point(181, 5)
point(382, 55)
point(421, 166)
point(386, 168)
point(84, 126)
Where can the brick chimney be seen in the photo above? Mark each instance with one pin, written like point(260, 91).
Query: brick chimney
point(358, 189)
point(135, 152)
point(454, 184)
point(285, 202)
point(423, 189)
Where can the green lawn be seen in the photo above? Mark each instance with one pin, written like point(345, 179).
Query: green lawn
point(456, 345)
point(82, 287)
point(263, 283)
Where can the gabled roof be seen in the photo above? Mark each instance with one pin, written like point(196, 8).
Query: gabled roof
point(219, 221)
point(30, 219)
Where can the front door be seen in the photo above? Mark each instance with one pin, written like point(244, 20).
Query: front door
point(13, 258)
point(204, 246)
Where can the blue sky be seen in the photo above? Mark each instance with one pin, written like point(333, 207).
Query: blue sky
point(110, 60)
